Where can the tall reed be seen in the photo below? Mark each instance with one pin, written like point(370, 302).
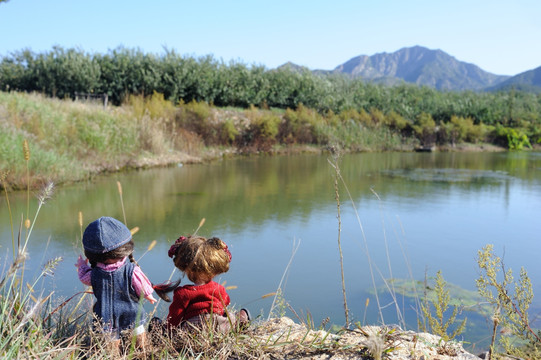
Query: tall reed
point(24, 333)
point(371, 264)
point(335, 163)
point(3, 175)
point(281, 285)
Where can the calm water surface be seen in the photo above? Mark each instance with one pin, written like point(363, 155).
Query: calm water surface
point(413, 214)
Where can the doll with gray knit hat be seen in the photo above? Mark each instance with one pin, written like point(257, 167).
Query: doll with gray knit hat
point(117, 281)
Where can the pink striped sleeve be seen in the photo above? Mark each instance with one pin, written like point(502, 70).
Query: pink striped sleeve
point(142, 285)
point(84, 271)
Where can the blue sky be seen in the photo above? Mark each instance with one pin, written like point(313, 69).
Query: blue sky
point(502, 37)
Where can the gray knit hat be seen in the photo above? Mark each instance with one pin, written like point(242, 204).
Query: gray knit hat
point(105, 234)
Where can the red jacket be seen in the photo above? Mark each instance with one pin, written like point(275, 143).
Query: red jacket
point(191, 300)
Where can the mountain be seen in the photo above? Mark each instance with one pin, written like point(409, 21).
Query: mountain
point(293, 67)
point(528, 81)
point(421, 66)
point(426, 67)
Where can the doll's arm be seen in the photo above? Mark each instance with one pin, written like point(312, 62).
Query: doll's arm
point(84, 271)
point(142, 285)
point(224, 296)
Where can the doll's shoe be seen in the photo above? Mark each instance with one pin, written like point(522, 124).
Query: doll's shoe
point(155, 325)
point(244, 318)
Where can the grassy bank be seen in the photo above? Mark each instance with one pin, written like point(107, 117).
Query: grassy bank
point(71, 141)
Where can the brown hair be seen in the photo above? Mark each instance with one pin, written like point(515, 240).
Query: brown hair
point(202, 259)
point(118, 253)
point(199, 258)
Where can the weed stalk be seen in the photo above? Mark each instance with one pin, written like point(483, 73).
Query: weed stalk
point(336, 159)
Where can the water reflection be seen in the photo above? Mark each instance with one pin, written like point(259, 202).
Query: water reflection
point(432, 212)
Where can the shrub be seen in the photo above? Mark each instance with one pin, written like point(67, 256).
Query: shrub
point(425, 129)
point(196, 117)
point(228, 132)
point(438, 325)
point(262, 132)
point(155, 106)
point(298, 125)
point(377, 116)
point(364, 118)
point(395, 121)
point(512, 138)
point(510, 305)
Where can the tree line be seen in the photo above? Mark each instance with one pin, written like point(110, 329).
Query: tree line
point(123, 72)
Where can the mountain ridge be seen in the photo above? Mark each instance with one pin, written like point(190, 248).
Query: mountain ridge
point(426, 67)
point(529, 80)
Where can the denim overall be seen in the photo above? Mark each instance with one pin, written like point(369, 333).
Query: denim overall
point(117, 304)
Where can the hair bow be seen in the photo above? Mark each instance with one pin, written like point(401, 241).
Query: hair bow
point(173, 249)
point(226, 249)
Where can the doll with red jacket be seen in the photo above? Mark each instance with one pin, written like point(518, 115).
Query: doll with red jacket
point(205, 300)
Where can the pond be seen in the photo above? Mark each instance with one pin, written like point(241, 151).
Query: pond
point(401, 215)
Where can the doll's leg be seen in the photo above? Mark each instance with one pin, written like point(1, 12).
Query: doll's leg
point(140, 337)
point(224, 323)
point(113, 347)
point(233, 321)
point(141, 341)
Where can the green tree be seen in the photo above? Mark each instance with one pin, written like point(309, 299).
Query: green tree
point(128, 72)
point(61, 73)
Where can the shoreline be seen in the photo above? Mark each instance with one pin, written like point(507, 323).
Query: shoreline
point(211, 154)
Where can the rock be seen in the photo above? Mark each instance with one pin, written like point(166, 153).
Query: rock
point(286, 339)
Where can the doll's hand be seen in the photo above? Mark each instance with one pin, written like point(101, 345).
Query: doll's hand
point(151, 299)
point(81, 262)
